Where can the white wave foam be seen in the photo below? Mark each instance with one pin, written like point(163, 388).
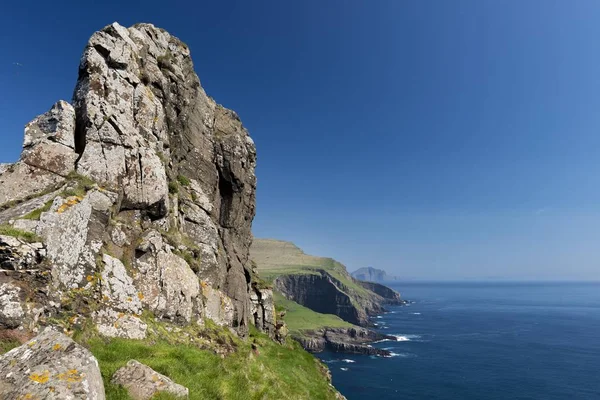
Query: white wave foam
point(379, 316)
point(406, 338)
point(344, 369)
point(416, 313)
point(348, 361)
point(403, 355)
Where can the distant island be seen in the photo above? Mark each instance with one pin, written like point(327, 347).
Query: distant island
point(370, 274)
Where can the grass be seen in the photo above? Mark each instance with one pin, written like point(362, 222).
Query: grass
point(275, 372)
point(173, 187)
point(299, 318)
point(7, 345)
point(36, 214)
point(29, 237)
point(183, 180)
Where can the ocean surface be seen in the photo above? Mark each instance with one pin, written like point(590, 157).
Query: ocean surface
point(482, 341)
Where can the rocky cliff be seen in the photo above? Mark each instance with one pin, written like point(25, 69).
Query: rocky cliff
point(320, 284)
point(137, 197)
point(344, 340)
point(370, 274)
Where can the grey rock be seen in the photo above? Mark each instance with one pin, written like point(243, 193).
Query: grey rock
point(353, 340)
point(263, 310)
point(117, 287)
point(111, 323)
point(18, 255)
point(50, 366)
point(165, 281)
point(143, 383)
point(48, 155)
point(11, 311)
point(171, 207)
point(144, 120)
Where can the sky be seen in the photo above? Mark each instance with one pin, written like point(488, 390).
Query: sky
point(439, 140)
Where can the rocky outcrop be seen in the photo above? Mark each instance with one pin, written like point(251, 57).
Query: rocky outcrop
point(322, 293)
point(143, 383)
point(143, 195)
point(263, 310)
point(50, 366)
point(390, 296)
point(343, 340)
point(48, 155)
point(319, 283)
point(370, 274)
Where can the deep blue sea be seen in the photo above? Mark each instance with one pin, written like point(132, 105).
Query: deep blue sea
point(482, 341)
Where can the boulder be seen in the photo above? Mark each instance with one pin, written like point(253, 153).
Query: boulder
point(50, 366)
point(143, 383)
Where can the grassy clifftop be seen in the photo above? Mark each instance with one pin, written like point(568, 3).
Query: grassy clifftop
point(320, 284)
point(276, 258)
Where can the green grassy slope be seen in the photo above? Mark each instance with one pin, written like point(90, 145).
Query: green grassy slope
point(273, 372)
point(299, 318)
point(275, 258)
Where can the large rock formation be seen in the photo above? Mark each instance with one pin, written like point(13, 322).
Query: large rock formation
point(140, 197)
point(370, 274)
point(344, 340)
point(319, 283)
point(50, 366)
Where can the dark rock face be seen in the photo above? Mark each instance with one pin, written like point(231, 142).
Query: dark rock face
point(152, 192)
point(343, 340)
point(389, 295)
point(321, 294)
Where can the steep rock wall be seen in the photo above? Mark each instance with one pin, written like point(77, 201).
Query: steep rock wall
point(145, 193)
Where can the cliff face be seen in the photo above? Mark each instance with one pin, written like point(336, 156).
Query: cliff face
point(138, 197)
point(343, 340)
point(321, 284)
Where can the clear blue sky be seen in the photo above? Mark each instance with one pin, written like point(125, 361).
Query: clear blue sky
point(435, 139)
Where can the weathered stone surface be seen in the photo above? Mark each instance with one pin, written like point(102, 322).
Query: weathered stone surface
point(48, 155)
point(51, 366)
point(16, 254)
point(72, 230)
point(166, 283)
point(263, 310)
point(217, 306)
point(117, 287)
point(162, 199)
point(55, 126)
point(111, 323)
point(343, 340)
point(21, 181)
point(143, 383)
point(144, 120)
point(11, 311)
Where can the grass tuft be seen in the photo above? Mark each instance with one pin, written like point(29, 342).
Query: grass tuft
point(29, 237)
point(272, 372)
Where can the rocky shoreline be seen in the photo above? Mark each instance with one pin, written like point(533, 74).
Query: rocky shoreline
point(343, 340)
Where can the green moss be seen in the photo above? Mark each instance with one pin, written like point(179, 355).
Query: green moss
point(36, 214)
point(183, 180)
point(7, 345)
point(173, 187)
point(274, 372)
point(8, 230)
point(299, 318)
